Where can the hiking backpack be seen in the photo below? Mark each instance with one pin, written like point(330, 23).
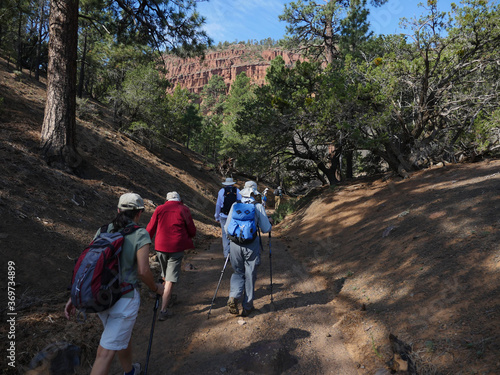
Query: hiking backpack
point(229, 198)
point(96, 284)
point(242, 228)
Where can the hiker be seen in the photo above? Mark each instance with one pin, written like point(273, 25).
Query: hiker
point(173, 226)
point(245, 257)
point(264, 197)
point(225, 199)
point(278, 193)
point(119, 320)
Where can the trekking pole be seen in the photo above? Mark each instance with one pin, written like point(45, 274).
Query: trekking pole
point(155, 309)
point(218, 284)
point(270, 267)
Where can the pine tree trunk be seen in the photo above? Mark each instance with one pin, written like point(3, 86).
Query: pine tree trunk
point(59, 123)
point(82, 67)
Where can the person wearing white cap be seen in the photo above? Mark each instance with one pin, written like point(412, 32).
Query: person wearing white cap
point(174, 228)
point(225, 199)
point(246, 258)
point(119, 320)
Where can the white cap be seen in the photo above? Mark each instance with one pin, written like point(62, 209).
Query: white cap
point(130, 201)
point(173, 196)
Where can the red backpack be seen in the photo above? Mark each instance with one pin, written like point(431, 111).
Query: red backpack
point(96, 284)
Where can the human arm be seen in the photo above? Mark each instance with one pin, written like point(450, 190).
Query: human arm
point(188, 219)
point(228, 220)
point(262, 220)
point(218, 205)
point(144, 272)
point(153, 224)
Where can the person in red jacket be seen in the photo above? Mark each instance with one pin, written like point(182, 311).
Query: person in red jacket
point(174, 229)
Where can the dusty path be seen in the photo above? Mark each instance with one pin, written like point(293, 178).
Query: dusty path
point(294, 335)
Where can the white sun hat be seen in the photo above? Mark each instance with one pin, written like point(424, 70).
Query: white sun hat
point(229, 181)
point(249, 189)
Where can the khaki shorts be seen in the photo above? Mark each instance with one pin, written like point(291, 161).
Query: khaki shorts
point(170, 264)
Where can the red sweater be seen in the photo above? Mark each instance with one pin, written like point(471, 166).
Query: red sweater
point(173, 226)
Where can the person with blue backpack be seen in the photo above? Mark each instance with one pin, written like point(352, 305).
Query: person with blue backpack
point(119, 319)
point(228, 195)
point(244, 221)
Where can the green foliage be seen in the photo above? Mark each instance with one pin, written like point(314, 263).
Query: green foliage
point(318, 29)
point(285, 208)
point(209, 139)
point(142, 96)
point(85, 110)
point(184, 119)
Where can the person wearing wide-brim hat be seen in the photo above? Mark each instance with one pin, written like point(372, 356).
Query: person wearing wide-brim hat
point(225, 199)
point(245, 259)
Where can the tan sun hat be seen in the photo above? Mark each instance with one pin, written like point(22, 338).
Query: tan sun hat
point(130, 201)
point(249, 189)
point(229, 181)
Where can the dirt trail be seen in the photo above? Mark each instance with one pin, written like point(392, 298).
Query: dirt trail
point(286, 337)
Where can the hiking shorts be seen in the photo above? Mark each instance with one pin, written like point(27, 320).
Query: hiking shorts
point(170, 264)
point(119, 322)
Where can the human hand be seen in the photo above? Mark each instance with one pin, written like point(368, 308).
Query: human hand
point(69, 309)
point(161, 289)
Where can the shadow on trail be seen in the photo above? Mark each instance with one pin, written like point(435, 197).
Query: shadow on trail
point(269, 357)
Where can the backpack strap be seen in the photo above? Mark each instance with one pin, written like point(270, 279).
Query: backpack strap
point(129, 229)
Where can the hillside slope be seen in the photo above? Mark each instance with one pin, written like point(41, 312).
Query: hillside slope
point(419, 259)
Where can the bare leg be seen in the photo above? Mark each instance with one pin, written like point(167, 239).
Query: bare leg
point(125, 358)
point(103, 360)
point(167, 293)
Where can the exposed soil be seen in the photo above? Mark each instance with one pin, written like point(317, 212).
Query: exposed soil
point(419, 259)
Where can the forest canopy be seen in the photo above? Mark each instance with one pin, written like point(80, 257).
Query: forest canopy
point(357, 103)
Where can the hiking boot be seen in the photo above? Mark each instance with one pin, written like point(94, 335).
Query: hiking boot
point(247, 312)
point(164, 315)
point(173, 300)
point(137, 368)
point(232, 303)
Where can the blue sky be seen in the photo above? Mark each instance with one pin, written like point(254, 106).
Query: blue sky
point(230, 20)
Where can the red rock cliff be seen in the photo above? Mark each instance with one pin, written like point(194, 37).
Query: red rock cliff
point(194, 73)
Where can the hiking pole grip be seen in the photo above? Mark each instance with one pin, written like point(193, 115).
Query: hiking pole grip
point(155, 309)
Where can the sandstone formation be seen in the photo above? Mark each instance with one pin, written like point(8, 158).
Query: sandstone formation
point(194, 73)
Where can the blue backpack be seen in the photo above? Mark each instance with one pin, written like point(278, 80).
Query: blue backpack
point(242, 229)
